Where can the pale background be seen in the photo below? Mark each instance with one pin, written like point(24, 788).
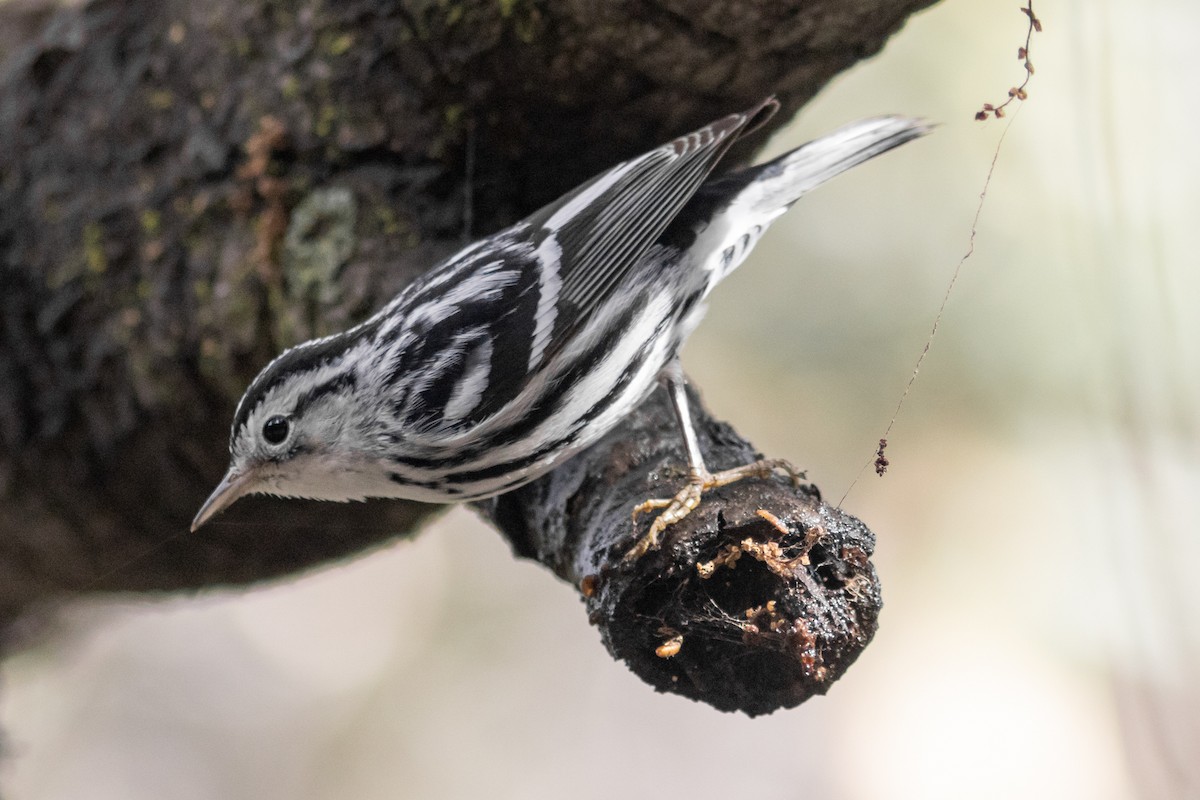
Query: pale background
point(1037, 532)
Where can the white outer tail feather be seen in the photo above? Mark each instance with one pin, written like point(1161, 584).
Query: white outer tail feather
point(788, 178)
point(778, 184)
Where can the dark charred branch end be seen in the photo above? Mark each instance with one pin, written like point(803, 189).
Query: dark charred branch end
point(759, 599)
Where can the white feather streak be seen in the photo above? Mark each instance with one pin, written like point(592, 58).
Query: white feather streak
point(549, 257)
point(469, 391)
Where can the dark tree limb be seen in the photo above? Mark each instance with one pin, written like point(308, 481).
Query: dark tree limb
point(187, 188)
point(759, 599)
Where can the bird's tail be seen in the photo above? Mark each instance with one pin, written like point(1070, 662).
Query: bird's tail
point(779, 183)
point(740, 206)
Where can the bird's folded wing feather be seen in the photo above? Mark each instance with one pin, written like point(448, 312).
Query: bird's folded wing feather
point(594, 235)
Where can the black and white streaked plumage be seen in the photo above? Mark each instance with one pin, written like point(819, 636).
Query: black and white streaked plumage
point(524, 348)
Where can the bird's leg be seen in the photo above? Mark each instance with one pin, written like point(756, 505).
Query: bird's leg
point(700, 480)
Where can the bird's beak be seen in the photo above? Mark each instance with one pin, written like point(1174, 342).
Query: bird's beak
point(231, 487)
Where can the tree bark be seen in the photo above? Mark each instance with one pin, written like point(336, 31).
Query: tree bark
point(187, 188)
point(757, 600)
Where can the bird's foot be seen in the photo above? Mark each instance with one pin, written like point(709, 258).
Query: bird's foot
point(699, 482)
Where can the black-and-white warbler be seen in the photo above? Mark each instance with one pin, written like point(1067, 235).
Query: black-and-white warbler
point(529, 345)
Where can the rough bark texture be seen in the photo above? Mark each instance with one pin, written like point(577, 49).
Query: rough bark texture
point(759, 599)
point(186, 188)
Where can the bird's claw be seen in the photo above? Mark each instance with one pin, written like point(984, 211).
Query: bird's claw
point(688, 498)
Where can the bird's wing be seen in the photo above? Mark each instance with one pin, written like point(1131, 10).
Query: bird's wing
point(589, 239)
point(463, 341)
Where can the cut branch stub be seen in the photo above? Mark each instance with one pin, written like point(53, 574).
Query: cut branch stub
point(759, 599)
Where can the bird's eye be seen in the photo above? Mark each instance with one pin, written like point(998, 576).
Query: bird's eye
point(275, 430)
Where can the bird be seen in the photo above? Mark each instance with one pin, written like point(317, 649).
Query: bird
point(527, 346)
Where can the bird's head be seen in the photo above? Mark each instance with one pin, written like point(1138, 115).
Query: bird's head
point(296, 432)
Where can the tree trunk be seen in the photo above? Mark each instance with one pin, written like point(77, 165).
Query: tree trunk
point(187, 188)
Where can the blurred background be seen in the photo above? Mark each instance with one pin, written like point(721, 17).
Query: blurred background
point(1036, 532)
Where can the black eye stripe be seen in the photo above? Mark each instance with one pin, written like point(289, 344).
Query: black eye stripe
point(275, 430)
point(301, 358)
point(343, 382)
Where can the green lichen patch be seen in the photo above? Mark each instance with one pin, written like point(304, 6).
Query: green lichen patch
point(94, 256)
point(319, 240)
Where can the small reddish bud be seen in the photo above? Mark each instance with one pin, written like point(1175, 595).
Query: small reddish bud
point(881, 461)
